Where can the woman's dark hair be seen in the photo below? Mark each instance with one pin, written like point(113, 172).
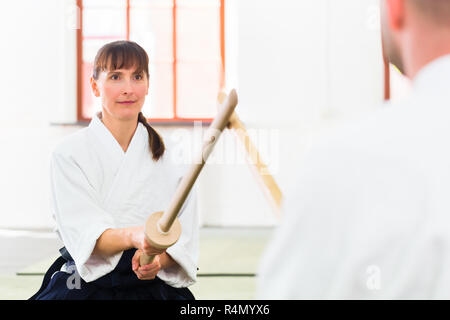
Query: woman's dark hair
point(126, 55)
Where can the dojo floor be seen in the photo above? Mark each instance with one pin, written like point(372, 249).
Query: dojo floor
point(227, 265)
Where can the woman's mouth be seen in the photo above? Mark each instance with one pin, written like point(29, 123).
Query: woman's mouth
point(126, 102)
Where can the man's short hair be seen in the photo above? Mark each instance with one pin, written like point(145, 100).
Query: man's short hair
point(437, 11)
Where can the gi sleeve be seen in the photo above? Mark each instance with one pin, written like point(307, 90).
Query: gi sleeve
point(186, 250)
point(79, 219)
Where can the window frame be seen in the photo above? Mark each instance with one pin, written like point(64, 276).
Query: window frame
point(160, 121)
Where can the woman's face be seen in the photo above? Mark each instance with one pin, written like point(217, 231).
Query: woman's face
point(122, 92)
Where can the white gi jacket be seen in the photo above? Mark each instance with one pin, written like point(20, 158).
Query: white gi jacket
point(95, 185)
point(368, 216)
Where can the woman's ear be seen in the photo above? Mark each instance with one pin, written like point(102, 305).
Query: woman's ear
point(94, 87)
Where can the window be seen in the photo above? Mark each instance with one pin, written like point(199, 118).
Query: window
point(185, 43)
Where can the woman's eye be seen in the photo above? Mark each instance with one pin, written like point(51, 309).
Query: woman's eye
point(114, 77)
point(139, 77)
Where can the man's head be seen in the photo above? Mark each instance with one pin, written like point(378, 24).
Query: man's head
point(437, 12)
point(415, 32)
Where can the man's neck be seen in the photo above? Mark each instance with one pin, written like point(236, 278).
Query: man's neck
point(121, 130)
point(426, 47)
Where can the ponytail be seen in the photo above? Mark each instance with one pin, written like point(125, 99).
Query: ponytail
point(155, 141)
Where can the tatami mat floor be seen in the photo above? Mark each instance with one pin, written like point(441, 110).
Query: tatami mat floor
point(228, 262)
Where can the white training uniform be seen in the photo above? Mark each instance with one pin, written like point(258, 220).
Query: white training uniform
point(95, 185)
point(369, 214)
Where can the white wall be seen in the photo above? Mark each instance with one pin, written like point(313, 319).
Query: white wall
point(296, 65)
point(31, 85)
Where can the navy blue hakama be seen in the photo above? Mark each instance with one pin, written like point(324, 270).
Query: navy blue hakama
point(120, 284)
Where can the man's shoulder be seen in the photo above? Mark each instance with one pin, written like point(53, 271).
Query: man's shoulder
point(378, 130)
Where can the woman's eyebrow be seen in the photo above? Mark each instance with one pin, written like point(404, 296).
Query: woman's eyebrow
point(120, 72)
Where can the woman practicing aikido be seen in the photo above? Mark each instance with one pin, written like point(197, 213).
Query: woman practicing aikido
point(106, 180)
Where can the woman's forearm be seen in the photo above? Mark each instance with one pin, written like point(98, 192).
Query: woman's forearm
point(113, 241)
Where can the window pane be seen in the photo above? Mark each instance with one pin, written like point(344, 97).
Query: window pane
point(151, 3)
point(104, 3)
point(152, 29)
point(159, 102)
point(104, 22)
point(198, 34)
point(198, 57)
point(198, 3)
point(198, 87)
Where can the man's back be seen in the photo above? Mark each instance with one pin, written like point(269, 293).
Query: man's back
point(369, 216)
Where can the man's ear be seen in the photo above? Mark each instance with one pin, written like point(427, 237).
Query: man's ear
point(94, 87)
point(395, 13)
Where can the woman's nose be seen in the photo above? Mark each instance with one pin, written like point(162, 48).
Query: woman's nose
point(127, 87)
